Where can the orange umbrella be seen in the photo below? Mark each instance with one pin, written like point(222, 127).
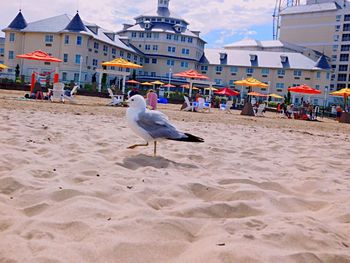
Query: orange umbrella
point(191, 75)
point(304, 89)
point(169, 86)
point(40, 56)
point(120, 62)
point(132, 81)
point(251, 82)
point(256, 94)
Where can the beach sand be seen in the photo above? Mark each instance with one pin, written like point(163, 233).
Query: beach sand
point(258, 190)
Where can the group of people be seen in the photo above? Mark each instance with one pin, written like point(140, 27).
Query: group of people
point(305, 112)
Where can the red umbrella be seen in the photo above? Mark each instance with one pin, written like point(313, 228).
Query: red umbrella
point(305, 89)
point(190, 74)
point(39, 55)
point(227, 92)
point(133, 82)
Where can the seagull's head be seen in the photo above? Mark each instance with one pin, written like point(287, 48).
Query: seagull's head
point(137, 102)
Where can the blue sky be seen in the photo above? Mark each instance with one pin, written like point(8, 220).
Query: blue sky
point(221, 22)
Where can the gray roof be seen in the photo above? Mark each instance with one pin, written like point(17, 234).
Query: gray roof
point(160, 27)
point(330, 6)
point(58, 24)
point(265, 59)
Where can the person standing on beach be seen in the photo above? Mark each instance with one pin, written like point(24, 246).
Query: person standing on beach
point(152, 99)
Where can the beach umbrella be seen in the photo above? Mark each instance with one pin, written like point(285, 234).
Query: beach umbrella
point(256, 94)
point(2, 66)
point(251, 82)
point(213, 89)
point(121, 63)
point(146, 84)
point(227, 91)
point(157, 82)
point(169, 86)
point(39, 56)
point(345, 93)
point(132, 81)
point(304, 89)
point(191, 75)
point(276, 96)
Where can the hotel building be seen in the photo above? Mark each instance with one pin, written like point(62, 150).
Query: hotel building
point(163, 43)
point(322, 25)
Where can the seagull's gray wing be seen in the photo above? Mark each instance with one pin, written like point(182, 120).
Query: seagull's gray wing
point(156, 124)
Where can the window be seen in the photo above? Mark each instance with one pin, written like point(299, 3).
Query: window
point(121, 53)
point(343, 67)
point(65, 58)
point(170, 62)
point(249, 70)
point(155, 47)
point(141, 35)
point(76, 77)
point(94, 62)
point(346, 18)
point(114, 51)
point(148, 35)
point(318, 74)
point(265, 71)
point(297, 73)
point(345, 48)
point(234, 69)
point(168, 36)
point(190, 40)
point(334, 57)
point(184, 64)
point(11, 54)
point(66, 40)
point(2, 52)
point(79, 40)
point(204, 68)
point(154, 61)
point(183, 39)
point(344, 57)
point(218, 68)
point(12, 37)
point(96, 45)
point(217, 81)
point(176, 38)
point(345, 37)
point(77, 59)
point(105, 48)
point(232, 83)
point(342, 77)
point(147, 60)
point(185, 51)
point(328, 75)
point(48, 38)
point(64, 76)
point(337, 28)
point(281, 72)
point(147, 47)
point(133, 34)
point(346, 27)
point(338, 17)
point(336, 38)
point(279, 86)
point(153, 74)
point(156, 35)
point(172, 49)
point(335, 48)
point(128, 55)
point(317, 87)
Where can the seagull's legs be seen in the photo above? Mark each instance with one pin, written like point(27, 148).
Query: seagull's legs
point(137, 145)
point(155, 149)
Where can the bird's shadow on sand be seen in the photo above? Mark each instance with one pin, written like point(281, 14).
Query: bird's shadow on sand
point(142, 160)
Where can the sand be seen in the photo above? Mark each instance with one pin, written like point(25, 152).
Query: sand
point(258, 190)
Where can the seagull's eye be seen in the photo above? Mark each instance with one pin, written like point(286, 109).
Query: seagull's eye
point(132, 100)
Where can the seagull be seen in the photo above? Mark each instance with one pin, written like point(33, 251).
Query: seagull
point(153, 126)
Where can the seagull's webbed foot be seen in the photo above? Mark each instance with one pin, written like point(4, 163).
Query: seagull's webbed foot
point(155, 149)
point(137, 145)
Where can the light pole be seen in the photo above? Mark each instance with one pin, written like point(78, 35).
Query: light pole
point(170, 71)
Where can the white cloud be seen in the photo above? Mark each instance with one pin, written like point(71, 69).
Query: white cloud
point(223, 15)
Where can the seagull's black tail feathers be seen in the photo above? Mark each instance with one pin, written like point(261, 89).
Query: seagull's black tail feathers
point(189, 138)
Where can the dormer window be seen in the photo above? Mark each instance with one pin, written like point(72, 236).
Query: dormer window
point(147, 25)
point(253, 57)
point(284, 58)
point(178, 28)
point(223, 56)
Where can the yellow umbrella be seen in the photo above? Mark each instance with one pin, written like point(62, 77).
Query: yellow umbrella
point(157, 82)
point(276, 96)
point(343, 93)
point(146, 84)
point(120, 62)
point(251, 82)
point(213, 89)
point(2, 66)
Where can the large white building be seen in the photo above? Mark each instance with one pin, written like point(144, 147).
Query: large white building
point(163, 43)
point(322, 25)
